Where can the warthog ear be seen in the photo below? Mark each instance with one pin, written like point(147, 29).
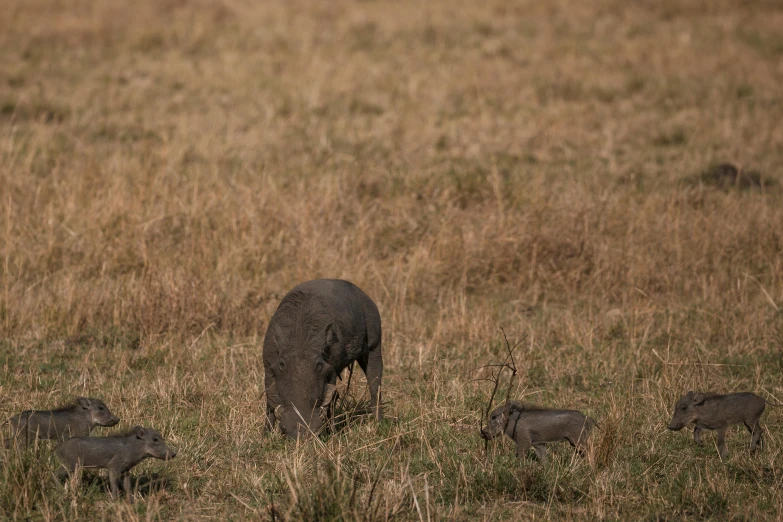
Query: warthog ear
point(83, 402)
point(139, 432)
point(331, 336)
point(698, 399)
point(279, 336)
point(506, 410)
point(329, 392)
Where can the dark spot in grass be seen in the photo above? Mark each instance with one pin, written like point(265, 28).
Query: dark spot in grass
point(484, 29)
point(150, 42)
point(674, 138)
point(442, 143)
point(429, 35)
point(726, 176)
point(560, 90)
point(15, 81)
point(125, 339)
point(767, 45)
point(365, 36)
point(42, 111)
point(744, 91)
point(358, 106)
point(129, 134)
point(154, 360)
point(7, 108)
point(634, 85)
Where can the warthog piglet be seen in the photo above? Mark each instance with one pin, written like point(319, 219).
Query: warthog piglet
point(117, 453)
point(711, 411)
point(75, 420)
point(533, 426)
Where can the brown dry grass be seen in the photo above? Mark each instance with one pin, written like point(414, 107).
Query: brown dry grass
point(169, 169)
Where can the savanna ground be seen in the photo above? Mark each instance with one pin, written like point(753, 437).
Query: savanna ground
point(169, 169)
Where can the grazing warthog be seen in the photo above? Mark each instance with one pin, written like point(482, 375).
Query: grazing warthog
point(531, 426)
point(319, 328)
point(118, 453)
point(74, 420)
point(710, 411)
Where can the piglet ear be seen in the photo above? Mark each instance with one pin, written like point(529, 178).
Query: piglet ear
point(139, 432)
point(698, 399)
point(83, 402)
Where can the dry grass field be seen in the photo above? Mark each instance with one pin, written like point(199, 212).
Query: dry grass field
point(170, 168)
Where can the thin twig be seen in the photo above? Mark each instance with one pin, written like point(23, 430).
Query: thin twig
point(508, 362)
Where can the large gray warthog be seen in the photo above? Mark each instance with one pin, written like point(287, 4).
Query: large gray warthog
point(319, 329)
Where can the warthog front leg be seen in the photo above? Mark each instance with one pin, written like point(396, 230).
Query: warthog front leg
point(523, 444)
point(722, 443)
point(697, 435)
point(541, 452)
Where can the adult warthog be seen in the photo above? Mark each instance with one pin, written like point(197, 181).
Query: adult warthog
point(320, 328)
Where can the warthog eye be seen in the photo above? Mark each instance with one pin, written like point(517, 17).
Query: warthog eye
point(683, 407)
point(281, 364)
point(100, 408)
point(156, 439)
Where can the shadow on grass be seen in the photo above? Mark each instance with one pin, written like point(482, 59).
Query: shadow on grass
point(142, 485)
point(348, 411)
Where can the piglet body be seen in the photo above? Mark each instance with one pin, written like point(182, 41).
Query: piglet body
point(118, 453)
point(711, 411)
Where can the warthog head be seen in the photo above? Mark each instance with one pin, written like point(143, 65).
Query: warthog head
point(304, 378)
point(685, 410)
point(153, 442)
point(100, 414)
point(498, 420)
